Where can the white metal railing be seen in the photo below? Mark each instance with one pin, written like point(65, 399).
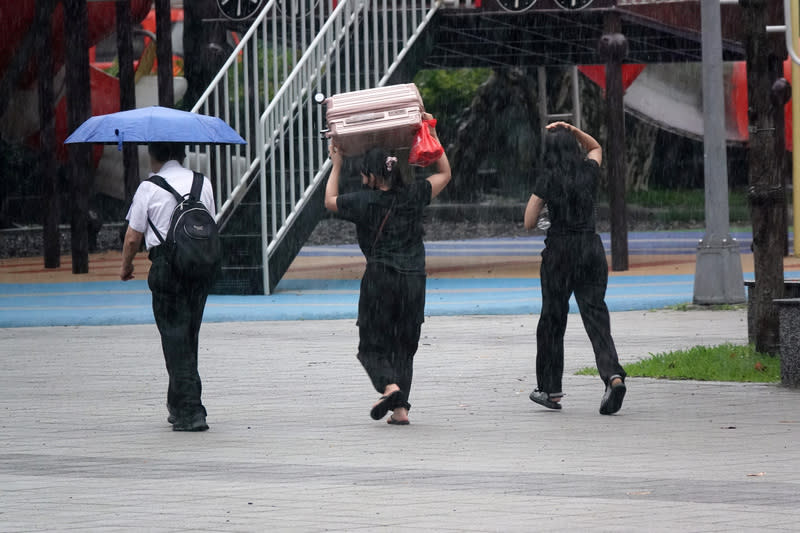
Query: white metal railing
point(239, 93)
point(265, 91)
point(359, 46)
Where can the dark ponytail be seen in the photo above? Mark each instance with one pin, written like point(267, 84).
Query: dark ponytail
point(384, 166)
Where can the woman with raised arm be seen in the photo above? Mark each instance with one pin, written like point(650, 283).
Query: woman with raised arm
point(573, 261)
point(388, 217)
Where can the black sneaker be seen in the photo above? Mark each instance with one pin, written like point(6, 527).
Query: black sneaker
point(173, 414)
point(196, 422)
point(544, 398)
point(612, 398)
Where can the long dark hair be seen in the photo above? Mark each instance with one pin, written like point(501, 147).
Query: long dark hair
point(562, 154)
point(561, 161)
point(384, 166)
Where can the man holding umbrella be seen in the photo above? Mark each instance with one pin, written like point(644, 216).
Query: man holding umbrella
point(178, 302)
point(179, 296)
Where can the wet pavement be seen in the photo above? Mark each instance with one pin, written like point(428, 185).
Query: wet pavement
point(84, 443)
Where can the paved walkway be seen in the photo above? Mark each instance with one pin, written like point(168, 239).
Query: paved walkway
point(84, 444)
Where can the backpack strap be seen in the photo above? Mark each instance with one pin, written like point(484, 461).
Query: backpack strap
point(153, 227)
point(161, 182)
point(197, 187)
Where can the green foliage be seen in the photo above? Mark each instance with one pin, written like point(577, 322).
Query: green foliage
point(113, 68)
point(686, 205)
point(726, 362)
point(448, 92)
point(275, 62)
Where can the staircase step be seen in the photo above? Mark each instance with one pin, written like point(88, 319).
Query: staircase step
point(246, 219)
point(239, 280)
point(241, 250)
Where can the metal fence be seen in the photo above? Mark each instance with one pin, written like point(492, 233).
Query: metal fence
point(266, 92)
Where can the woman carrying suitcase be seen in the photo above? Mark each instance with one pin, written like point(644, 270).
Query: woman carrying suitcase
point(388, 218)
point(573, 261)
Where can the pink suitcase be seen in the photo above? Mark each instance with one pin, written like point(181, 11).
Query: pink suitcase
point(385, 116)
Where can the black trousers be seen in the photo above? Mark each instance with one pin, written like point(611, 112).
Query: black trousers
point(573, 263)
point(178, 308)
point(391, 309)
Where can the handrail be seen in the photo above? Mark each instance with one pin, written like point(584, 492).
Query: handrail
point(296, 54)
point(289, 148)
point(787, 16)
point(303, 60)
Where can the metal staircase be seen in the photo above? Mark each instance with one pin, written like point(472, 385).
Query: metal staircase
point(268, 192)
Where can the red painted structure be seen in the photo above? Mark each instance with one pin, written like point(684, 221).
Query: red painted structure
point(17, 18)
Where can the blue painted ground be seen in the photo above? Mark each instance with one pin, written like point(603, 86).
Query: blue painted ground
point(109, 303)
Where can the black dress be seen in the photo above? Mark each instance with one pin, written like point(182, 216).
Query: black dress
point(391, 304)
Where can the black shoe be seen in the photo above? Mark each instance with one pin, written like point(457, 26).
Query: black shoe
point(173, 414)
point(196, 422)
point(612, 399)
point(544, 398)
point(385, 404)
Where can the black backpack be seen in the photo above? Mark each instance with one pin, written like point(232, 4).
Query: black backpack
point(192, 242)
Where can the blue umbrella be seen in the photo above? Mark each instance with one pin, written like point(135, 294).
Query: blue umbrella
point(155, 124)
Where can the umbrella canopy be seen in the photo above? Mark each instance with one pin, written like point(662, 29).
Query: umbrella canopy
point(155, 124)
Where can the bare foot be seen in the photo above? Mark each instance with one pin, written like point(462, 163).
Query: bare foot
point(390, 388)
point(399, 416)
point(384, 404)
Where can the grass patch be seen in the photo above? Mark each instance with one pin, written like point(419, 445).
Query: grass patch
point(726, 362)
point(686, 198)
point(686, 205)
point(695, 307)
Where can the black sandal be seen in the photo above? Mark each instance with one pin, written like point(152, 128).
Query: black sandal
point(546, 398)
point(392, 420)
point(384, 405)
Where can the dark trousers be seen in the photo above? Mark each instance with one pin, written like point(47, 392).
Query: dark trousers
point(391, 309)
point(573, 263)
point(178, 310)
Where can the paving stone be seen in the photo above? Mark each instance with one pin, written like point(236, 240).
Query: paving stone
point(84, 443)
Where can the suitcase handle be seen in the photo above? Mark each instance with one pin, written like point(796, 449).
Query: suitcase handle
point(366, 117)
point(319, 98)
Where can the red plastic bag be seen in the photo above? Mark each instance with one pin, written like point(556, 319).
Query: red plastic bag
point(426, 149)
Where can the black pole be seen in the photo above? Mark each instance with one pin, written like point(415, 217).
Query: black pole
point(76, 31)
point(127, 92)
point(51, 236)
point(166, 91)
point(613, 48)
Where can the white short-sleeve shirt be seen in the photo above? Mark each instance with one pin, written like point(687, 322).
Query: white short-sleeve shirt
point(156, 203)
